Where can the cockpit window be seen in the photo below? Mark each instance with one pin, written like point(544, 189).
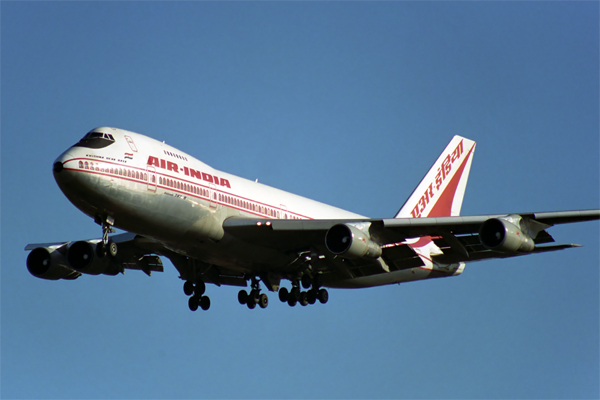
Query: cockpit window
point(96, 140)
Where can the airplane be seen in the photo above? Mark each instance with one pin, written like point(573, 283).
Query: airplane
point(222, 229)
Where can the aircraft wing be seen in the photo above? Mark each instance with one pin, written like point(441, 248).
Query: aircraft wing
point(49, 260)
point(458, 238)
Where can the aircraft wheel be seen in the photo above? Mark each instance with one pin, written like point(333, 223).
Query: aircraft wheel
point(306, 281)
point(292, 301)
point(251, 303)
point(295, 293)
point(243, 297)
point(188, 288)
point(200, 288)
point(303, 299)
point(323, 296)
point(283, 294)
point(193, 303)
point(112, 248)
point(311, 296)
point(263, 300)
point(205, 303)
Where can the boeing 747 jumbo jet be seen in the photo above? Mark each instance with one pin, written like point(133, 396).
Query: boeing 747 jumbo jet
point(222, 229)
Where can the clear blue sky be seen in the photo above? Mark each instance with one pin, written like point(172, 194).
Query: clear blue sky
point(348, 103)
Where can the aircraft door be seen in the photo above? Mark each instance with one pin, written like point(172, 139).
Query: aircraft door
point(213, 195)
point(151, 178)
point(131, 144)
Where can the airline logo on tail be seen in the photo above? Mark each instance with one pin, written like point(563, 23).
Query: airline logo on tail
point(442, 190)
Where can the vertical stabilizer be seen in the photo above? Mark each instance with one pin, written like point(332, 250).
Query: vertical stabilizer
point(441, 192)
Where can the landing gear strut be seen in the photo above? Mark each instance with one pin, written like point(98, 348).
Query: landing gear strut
point(254, 297)
point(106, 246)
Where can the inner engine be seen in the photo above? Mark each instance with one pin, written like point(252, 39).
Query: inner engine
point(82, 257)
point(349, 241)
point(506, 235)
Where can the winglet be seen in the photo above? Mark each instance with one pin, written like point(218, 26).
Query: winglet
point(441, 192)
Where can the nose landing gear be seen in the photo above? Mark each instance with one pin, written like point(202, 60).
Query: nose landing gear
point(106, 246)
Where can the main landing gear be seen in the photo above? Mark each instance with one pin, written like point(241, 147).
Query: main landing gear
point(196, 289)
point(255, 297)
point(295, 295)
point(196, 292)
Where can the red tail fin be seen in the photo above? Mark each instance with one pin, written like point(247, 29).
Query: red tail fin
point(442, 190)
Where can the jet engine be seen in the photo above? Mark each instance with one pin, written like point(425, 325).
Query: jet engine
point(505, 235)
point(82, 257)
point(350, 242)
point(48, 263)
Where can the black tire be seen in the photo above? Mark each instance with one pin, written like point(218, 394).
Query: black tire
point(251, 303)
point(306, 281)
point(243, 297)
point(292, 301)
point(311, 296)
point(295, 293)
point(200, 288)
point(193, 303)
point(205, 303)
point(112, 248)
point(283, 294)
point(263, 300)
point(303, 299)
point(188, 288)
point(323, 296)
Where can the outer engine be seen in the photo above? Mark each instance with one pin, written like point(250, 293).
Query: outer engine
point(505, 234)
point(349, 241)
point(69, 261)
point(48, 263)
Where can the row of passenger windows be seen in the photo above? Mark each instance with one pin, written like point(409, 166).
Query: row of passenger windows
point(115, 171)
point(234, 201)
point(253, 207)
point(175, 184)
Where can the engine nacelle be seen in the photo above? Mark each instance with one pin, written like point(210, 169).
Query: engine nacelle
point(505, 235)
point(348, 241)
point(48, 263)
point(82, 257)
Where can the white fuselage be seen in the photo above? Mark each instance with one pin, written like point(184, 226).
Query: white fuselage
point(152, 189)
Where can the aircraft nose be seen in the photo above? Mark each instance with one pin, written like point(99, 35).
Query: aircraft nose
point(59, 163)
point(57, 167)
